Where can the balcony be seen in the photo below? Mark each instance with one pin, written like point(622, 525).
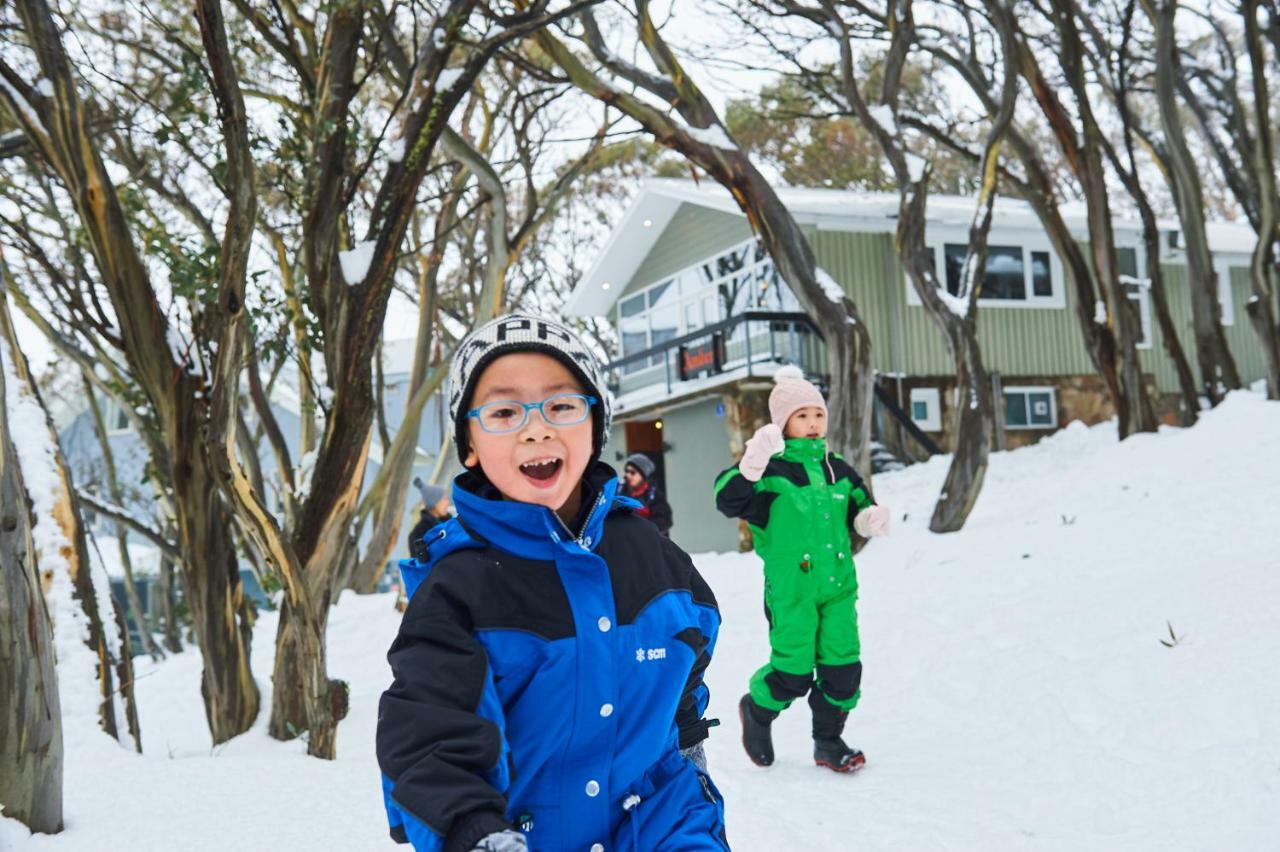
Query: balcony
point(748, 344)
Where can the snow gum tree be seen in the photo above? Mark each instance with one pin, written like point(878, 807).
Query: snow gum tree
point(668, 104)
point(30, 715)
point(241, 192)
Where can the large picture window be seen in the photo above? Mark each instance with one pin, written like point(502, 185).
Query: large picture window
point(1015, 275)
point(739, 279)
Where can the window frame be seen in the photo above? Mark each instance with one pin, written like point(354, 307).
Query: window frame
point(1027, 241)
point(696, 295)
point(110, 413)
point(1143, 298)
point(1026, 390)
point(932, 398)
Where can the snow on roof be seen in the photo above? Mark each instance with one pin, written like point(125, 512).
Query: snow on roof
point(658, 200)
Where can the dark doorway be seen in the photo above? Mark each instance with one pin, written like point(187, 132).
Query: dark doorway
point(646, 437)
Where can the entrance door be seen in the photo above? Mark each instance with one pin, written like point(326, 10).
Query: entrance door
point(646, 437)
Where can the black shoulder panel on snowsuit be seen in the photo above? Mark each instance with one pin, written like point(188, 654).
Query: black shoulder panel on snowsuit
point(792, 471)
point(737, 497)
point(504, 591)
point(630, 544)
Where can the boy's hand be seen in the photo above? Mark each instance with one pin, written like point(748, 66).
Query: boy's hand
point(872, 521)
point(766, 442)
point(502, 841)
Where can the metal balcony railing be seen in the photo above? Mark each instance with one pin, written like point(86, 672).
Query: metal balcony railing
point(745, 340)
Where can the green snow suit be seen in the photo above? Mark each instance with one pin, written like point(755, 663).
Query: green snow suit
point(800, 514)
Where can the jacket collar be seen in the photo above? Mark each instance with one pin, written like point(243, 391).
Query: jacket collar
point(533, 531)
point(805, 449)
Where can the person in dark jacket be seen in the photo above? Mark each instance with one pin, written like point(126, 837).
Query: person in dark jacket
point(637, 484)
point(548, 688)
point(435, 510)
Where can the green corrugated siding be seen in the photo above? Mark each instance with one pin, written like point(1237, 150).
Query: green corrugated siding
point(1155, 359)
point(1021, 341)
point(693, 234)
point(864, 265)
point(1015, 341)
point(1241, 337)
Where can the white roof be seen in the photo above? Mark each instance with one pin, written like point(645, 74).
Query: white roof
point(658, 200)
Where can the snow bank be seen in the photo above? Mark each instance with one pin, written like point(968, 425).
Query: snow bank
point(1016, 692)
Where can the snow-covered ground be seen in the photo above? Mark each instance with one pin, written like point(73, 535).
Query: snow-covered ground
point(1016, 692)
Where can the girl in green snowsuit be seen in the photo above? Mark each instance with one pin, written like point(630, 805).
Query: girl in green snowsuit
point(801, 502)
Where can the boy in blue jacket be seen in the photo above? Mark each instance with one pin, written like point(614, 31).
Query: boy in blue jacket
point(548, 671)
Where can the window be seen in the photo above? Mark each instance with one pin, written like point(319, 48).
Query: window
point(926, 409)
point(1041, 275)
point(1015, 276)
point(1005, 278)
point(746, 280)
point(1138, 290)
point(1030, 408)
point(739, 279)
point(115, 418)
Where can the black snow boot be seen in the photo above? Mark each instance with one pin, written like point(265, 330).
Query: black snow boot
point(757, 738)
point(829, 749)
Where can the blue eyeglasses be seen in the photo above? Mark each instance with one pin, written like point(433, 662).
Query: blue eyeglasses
point(563, 409)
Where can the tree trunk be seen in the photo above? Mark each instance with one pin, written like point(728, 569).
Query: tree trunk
point(213, 591)
point(122, 536)
point(1262, 268)
point(1099, 341)
point(392, 482)
point(1083, 151)
point(168, 608)
point(63, 548)
point(848, 341)
point(975, 409)
point(211, 579)
point(30, 713)
point(744, 413)
point(1218, 372)
point(1189, 406)
point(296, 652)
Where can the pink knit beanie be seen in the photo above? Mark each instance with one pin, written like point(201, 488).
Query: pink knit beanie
point(790, 393)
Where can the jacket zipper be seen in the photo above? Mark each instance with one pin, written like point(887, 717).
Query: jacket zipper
point(582, 540)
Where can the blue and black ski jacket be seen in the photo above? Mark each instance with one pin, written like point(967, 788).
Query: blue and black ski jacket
point(546, 681)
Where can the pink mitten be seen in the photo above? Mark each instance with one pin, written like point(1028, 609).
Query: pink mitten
point(763, 444)
point(871, 521)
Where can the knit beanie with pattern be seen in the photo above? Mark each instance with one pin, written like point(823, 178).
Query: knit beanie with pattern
point(525, 333)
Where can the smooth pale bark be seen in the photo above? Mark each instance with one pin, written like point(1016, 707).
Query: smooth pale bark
point(1218, 373)
point(67, 550)
point(1266, 254)
point(30, 714)
point(58, 130)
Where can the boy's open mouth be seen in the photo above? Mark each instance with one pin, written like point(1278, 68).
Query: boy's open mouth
point(542, 471)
